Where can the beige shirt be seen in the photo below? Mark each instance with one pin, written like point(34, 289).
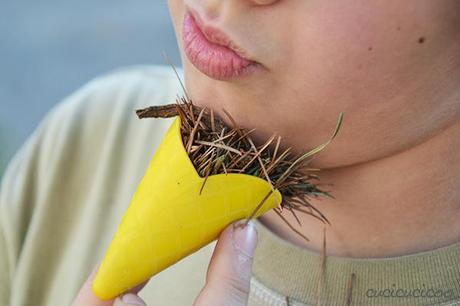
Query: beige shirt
point(66, 190)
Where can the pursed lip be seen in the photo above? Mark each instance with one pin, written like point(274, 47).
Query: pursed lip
point(212, 52)
point(217, 36)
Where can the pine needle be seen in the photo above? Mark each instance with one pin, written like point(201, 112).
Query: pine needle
point(322, 276)
point(351, 284)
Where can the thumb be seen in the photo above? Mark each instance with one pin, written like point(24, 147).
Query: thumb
point(229, 272)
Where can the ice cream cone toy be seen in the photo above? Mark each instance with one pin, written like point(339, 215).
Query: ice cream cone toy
point(204, 176)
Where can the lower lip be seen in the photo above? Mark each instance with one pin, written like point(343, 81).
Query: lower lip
point(216, 61)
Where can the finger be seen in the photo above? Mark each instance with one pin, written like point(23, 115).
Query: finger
point(86, 296)
point(229, 272)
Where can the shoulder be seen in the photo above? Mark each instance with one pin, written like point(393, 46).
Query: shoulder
point(123, 89)
point(99, 117)
point(102, 107)
point(100, 114)
point(76, 136)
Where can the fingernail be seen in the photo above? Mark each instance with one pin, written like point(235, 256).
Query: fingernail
point(132, 299)
point(245, 237)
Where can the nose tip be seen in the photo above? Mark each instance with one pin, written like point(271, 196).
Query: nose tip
point(264, 2)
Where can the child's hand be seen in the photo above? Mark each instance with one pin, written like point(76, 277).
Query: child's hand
point(227, 279)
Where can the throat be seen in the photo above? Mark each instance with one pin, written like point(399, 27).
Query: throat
point(399, 205)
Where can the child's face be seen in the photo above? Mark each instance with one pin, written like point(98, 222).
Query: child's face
point(380, 62)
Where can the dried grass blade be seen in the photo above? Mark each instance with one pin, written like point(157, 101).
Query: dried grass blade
point(260, 160)
point(295, 216)
point(218, 145)
point(259, 206)
point(315, 150)
point(177, 75)
point(213, 124)
point(290, 226)
point(192, 134)
point(208, 170)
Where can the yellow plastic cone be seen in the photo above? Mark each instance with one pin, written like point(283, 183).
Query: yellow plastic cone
point(168, 219)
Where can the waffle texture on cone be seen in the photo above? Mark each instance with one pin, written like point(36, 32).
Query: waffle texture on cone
point(169, 219)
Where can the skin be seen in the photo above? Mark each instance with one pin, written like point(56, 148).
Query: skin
point(393, 68)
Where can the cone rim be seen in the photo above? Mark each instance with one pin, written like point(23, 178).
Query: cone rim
point(177, 133)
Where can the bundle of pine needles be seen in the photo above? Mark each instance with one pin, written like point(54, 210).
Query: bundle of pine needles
point(214, 147)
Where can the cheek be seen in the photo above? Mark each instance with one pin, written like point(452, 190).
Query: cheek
point(359, 51)
point(362, 61)
point(330, 51)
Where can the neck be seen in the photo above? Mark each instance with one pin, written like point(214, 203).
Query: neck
point(401, 204)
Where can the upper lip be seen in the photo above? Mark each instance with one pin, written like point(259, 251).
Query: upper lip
point(217, 36)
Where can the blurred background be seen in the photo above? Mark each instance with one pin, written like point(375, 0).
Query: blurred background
point(48, 49)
